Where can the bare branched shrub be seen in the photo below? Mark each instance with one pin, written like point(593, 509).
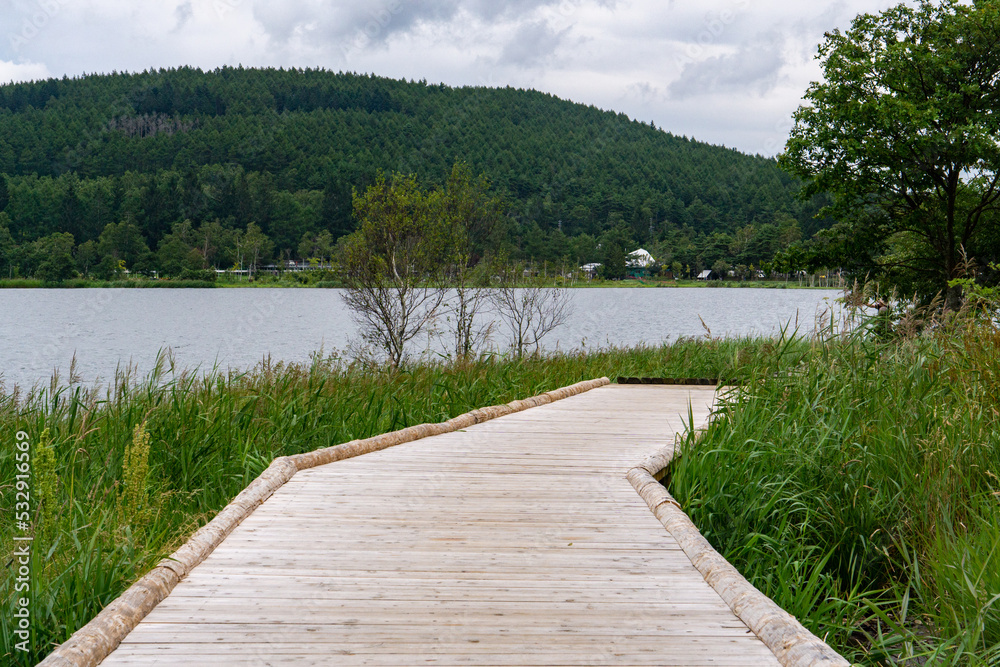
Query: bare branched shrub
point(469, 308)
point(472, 215)
point(529, 308)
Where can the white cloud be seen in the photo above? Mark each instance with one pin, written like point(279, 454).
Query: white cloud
point(532, 44)
point(22, 71)
point(753, 68)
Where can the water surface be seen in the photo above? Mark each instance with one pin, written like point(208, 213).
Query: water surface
point(41, 330)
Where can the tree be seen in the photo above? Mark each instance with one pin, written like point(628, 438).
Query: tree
point(316, 246)
point(54, 257)
point(903, 134)
point(87, 257)
point(122, 241)
point(210, 238)
point(471, 216)
point(176, 252)
point(530, 309)
point(614, 265)
point(391, 264)
point(4, 192)
point(614, 244)
point(6, 247)
point(721, 269)
point(254, 246)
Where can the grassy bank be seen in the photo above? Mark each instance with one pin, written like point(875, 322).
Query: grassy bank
point(860, 491)
point(109, 511)
point(291, 281)
point(706, 284)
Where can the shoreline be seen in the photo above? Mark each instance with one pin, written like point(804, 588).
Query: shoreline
point(20, 284)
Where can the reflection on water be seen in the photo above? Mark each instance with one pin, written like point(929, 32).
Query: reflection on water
point(41, 330)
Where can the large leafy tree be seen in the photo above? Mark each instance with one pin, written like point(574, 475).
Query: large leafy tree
point(54, 257)
point(393, 263)
point(123, 241)
point(903, 132)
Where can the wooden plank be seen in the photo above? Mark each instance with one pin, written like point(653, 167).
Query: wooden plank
point(513, 542)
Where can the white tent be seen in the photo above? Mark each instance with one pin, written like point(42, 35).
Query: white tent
point(639, 259)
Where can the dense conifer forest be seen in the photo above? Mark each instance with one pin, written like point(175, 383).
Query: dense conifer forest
point(181, 170)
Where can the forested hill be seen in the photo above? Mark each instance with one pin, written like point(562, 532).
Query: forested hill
point(284, 148)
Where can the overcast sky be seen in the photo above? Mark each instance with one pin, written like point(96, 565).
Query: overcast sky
point(724, 71)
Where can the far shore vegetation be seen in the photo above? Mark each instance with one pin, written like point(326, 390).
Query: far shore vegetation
point(180, 170)
point(286, 279)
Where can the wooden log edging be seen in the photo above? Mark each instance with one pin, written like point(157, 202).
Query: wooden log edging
point(792, 644)
point(89, 645)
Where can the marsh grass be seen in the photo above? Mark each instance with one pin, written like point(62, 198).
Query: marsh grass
point(859, 488)
point(123, 475)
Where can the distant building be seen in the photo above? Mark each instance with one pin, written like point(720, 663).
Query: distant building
point(591, 269)
point(705, 275)
point(639, 262)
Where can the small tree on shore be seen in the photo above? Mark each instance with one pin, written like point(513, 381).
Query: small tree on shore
point(472, 219)
point(255, 246)
point(529, 308)
point(721, 269)
point(393, 264)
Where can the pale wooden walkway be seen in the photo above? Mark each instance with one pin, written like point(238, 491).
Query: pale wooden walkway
point(515, 542)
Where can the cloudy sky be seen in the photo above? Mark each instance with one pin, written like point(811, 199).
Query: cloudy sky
point(724, 71)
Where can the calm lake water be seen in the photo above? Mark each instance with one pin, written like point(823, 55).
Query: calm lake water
point(42, 330)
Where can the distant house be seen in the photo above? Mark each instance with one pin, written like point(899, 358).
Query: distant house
point(591, 269)
point(705, 275)
point(639, 262)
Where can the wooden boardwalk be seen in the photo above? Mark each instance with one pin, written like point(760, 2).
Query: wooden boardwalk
point(514, 542)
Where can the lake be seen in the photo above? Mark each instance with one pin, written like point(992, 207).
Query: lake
point(41, 330)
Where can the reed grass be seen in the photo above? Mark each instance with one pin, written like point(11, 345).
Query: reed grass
point(860, 489)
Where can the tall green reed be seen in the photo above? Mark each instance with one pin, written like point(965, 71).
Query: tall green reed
point(859, 489)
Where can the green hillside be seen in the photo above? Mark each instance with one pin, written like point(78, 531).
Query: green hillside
point(284, 148)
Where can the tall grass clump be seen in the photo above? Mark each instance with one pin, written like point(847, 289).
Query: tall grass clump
point(854, 479)
point(137, 466)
